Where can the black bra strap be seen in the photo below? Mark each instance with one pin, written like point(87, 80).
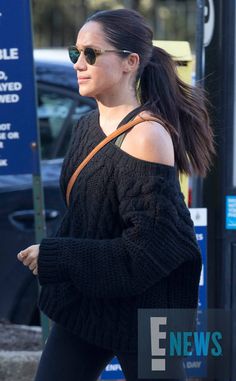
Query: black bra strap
point(129, 117)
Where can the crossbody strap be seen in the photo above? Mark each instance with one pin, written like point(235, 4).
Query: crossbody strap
point(138, 119)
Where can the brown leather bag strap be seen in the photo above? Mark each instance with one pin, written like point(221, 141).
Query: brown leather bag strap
point(114, 134)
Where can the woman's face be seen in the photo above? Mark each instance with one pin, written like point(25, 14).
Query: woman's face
point(105, 76)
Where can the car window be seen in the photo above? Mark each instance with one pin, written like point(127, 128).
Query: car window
point(54, 108)
point(79, 110)
point(58, 111)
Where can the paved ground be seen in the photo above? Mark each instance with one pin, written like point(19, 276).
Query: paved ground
point(20, 351)
point(19, 337)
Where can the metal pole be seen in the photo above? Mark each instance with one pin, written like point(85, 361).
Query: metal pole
point(40, 233)
point(218, 187)
point(39, 208)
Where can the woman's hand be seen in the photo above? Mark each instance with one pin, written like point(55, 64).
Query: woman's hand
point(29, 257)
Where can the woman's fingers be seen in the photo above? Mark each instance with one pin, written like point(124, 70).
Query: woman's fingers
point(30, 252)
point(32, 265)
point(21, 255)
point(29, 257)
point(34, 268)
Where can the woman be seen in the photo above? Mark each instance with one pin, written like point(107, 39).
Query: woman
point(126, 241)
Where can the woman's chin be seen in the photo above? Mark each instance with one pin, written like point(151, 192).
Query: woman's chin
point(84, 92)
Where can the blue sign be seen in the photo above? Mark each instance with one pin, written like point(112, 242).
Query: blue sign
point(113, 371)
point(18, 118)
point(194, 367)
point(230, 214)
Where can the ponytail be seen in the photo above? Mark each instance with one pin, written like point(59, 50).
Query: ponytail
point(182, 108)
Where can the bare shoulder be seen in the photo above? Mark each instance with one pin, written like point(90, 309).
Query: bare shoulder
point(150, 141)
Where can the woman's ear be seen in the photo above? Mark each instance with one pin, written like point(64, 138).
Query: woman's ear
point(131, 63)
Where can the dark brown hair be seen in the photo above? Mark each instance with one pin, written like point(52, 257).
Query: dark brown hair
point(181, 107)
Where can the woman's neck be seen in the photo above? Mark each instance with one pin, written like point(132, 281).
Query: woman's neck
point(110, 116)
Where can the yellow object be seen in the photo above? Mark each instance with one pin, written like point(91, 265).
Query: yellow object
point(180, 52)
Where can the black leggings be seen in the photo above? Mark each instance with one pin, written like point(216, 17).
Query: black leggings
point(66, 357)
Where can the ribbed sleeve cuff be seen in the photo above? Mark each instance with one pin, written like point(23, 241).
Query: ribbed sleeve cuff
point(50, 270)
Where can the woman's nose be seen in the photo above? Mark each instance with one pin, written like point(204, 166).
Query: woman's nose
point(80, 63)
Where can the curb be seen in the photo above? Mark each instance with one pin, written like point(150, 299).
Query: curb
point(18, 365)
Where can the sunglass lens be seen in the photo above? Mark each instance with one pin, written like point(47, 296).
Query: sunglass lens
point(90, 55)
point(73, 54)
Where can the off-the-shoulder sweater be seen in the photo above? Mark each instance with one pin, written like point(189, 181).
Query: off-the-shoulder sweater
point(126, 242)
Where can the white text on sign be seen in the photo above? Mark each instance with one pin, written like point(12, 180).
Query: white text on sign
point(9, 54)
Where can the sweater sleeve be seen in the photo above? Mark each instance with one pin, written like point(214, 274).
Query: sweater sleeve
point(157, 237)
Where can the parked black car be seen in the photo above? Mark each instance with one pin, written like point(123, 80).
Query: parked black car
point(59, 108)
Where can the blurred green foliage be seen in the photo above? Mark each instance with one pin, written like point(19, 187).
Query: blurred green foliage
point(57, 23)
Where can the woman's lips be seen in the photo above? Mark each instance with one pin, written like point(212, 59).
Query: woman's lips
point(81, 80)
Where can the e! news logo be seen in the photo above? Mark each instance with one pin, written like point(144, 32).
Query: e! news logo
point(180, 343)
point(169, 340)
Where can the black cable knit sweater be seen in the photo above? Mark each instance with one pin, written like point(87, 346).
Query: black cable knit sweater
point(126, 241)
